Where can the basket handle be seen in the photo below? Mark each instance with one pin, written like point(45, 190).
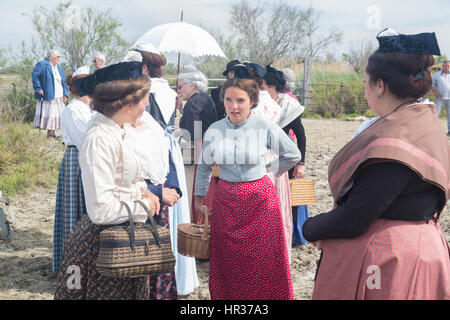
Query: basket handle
point(152, 222)
point(205, 230)
point(130, 216)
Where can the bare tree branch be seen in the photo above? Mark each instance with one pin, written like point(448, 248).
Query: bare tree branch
point(95, 30)
point(269, 31)
point(358, 56)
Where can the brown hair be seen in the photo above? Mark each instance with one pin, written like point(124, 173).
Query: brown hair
point(109, 97)
point(248, 85)
point(398, 70)
point(154, 63)
point(71, 83)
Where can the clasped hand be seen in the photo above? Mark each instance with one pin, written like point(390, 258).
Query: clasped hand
point(153, 201)
point(299, 171)
point(170, 196)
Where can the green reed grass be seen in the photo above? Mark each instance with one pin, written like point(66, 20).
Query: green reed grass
point(27, 159)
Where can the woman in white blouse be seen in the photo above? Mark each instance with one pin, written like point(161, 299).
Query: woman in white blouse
point(112, 172)
point(69, 195)
point(160, 118)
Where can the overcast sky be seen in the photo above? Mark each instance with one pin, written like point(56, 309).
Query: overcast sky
point(358, 20)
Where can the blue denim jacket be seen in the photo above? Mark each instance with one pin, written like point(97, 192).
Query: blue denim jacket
point(42, 77)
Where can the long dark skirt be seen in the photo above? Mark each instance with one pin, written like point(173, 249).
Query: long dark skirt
point(70, 205)
point(78, 278)
point(163, 286)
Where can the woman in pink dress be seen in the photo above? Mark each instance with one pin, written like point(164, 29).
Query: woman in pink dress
point(390, 184)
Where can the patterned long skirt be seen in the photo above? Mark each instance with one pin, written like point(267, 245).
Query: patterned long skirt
point(282, 187)
point(70, 204)
point(249, 259)
point(79, 279)
point(163, 286)
point(48, 114)
point(393, 260)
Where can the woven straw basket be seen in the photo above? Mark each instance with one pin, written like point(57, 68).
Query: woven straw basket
point(193, 239)
point(302, 192)
point(135, 250)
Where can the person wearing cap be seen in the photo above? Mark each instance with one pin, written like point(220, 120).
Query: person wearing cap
point(390, 184)
point(275, 83)
point(113, 173)
point(170, 187)
point(215, 93)
point(98, 60)
point(267, 107)
point(291, 78)
point(70, 204)
point(441, 90)
point(51, 91)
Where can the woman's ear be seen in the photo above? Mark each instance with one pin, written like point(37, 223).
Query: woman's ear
point(129, 108)
point(145, 69)
point(381, 87)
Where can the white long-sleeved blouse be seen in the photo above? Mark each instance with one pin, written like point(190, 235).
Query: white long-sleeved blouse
point(75, 120)
point(111, 172)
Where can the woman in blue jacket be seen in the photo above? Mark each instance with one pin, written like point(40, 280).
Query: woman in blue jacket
point(51, 91)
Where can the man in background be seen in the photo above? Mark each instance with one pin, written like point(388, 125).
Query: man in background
point(51, 92)
point(441, 90)
point(98, 61)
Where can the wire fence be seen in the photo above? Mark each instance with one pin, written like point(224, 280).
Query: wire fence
point(323, 98)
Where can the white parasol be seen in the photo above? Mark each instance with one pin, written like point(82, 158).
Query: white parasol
point(182, 38)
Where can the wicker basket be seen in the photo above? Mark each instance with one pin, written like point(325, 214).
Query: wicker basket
point(193, 239)
point(302, 192)
point(135, 250)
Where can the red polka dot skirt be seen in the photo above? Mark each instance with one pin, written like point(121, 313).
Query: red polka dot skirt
point(249, 259)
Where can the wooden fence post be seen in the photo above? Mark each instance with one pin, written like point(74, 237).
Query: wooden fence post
point(307, 73)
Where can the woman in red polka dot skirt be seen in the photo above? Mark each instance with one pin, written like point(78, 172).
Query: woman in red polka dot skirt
point(249, 259)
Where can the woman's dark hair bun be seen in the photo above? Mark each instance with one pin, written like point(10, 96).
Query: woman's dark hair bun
point(400, 72)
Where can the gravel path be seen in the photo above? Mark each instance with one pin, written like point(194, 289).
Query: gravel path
point(25, 262)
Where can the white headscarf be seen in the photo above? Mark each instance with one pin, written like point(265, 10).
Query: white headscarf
point(164, 96)
point(81, 71)
point(132, 56)
point(290, 110)
point(267, 107)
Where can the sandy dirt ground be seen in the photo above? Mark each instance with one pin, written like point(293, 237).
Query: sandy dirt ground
point(25, 262)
